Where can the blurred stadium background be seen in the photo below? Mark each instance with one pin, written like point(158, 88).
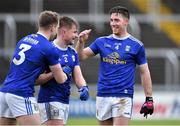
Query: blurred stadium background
point(155, 22)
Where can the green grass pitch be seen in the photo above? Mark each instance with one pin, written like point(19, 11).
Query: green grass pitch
point(149, 122)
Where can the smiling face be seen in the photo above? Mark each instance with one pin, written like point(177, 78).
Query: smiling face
point(118, 23)
point(70, 35)
point(68, 30)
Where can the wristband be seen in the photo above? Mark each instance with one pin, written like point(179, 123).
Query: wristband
point(149, 99)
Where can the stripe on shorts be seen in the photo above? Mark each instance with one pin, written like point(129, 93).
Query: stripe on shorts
point(28, 106)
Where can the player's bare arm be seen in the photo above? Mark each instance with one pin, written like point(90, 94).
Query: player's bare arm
point(78, 77)
point(83, 53)
point(58, 73)
point(43, 78)
point(147, 107)
point(146, 79)
point(81, 84)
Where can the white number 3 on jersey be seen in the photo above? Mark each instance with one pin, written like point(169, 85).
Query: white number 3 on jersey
point(24, 48)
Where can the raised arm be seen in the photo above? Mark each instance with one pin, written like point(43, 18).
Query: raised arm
point(83, 53)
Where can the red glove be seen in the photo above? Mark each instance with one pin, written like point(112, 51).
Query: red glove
point(147, 107)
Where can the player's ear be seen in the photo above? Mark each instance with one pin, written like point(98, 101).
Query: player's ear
point(53, 28)
point(63, 30)
point(126, 21)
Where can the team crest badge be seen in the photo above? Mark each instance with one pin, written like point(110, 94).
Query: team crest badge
point(127, 48)
point(73, 58)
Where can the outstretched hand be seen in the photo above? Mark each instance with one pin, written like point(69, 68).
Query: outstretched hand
point(83, 36)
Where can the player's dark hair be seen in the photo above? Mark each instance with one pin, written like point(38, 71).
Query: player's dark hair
point(67, 22)
point(121, 10)
point(48, 18)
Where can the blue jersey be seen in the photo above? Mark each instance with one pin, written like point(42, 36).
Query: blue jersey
point(119, 57)
point(31, 54)
point(53, 90)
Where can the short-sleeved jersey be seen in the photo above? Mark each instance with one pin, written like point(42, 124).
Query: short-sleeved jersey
point(28, 62)
point(53, 90)
point(119, 57)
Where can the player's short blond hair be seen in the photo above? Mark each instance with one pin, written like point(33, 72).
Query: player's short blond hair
point(67, 22)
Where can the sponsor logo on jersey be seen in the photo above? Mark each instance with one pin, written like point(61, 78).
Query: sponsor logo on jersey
point(114, 58)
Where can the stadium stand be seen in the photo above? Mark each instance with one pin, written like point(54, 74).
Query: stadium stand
point(168, 27)
point(173, 5)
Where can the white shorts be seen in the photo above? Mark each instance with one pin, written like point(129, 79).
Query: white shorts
point(12, 106)
point(53, 110)
point(108, 107)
